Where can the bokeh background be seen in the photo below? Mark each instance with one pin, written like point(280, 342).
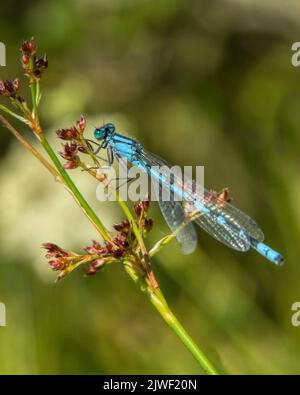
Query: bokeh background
point(199, 83)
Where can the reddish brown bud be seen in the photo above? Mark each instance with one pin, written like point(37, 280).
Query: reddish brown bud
point(33, 67)
point(50, 246)
point(40, 65)
point(94, 266)
point(2, 88)
point(69, 151)
point(65, 262)
point(56, 255)
point(15, 84)
point(68, 134)
point(25, 60)
point(121, 241)
point(122, 244)
point(146, 204)
point(142, 206)
point(118, 253)
point(91, 270)
point(70, 154)
point(123, 227)
point(71, 164)
point(94, 249)
point(29, 47)
point(138, 208)
point(32, 45)
point(9, 87)
point(57, 264)
point(148, 224)
point(54, 250)
point(81, 124)
point(97, 263)
point(108, 247)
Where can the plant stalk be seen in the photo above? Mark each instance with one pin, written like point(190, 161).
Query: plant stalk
point(173, 323)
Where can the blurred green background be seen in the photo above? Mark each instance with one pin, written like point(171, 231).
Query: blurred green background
point(199, 83)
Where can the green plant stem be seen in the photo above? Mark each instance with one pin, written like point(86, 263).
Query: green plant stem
point(128, 214)
point(33, 99)
point(32, 85)
point(37, 93)
point(186, 339)
point(158, 301)
point(81, 200)
point(13, 114)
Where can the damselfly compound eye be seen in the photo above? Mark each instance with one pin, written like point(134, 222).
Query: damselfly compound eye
point(100, 133)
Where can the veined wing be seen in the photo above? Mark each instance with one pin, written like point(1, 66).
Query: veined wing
point(234, 216)
point(234, 238)
point(236, 227)
point(175, 216)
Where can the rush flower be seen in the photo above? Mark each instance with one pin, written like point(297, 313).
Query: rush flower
point(64, 261)
point(80, 125)
point(57, 257)
point(70, 154)
point(97, 255)
point(141, 209)
point(68, 134)
point(95, 266)
point(148, 224)
point(9, 87)
point(96, 248)
point(29, 47)
point(74, 132)
point(71, 164)
point(142, 206)
point(117, 249)
point(54, 250)
point(123, 227)
point(32, 65)
point(39, 66)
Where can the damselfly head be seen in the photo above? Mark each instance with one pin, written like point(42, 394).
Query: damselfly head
point(104, 131)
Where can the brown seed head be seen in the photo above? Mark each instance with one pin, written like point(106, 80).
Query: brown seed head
point(9, 87)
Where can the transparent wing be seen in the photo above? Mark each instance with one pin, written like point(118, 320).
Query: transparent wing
point(175, 216)
point(233, 216)
point(224, 233)
point(236, 227)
